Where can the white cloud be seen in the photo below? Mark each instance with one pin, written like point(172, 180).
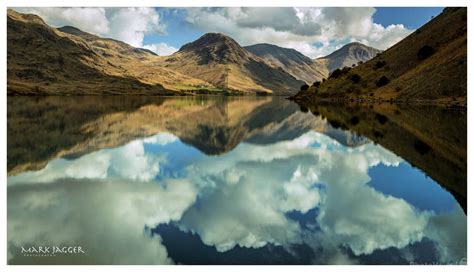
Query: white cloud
point(127, 162)
point(269, 181)
point(298, 28)
point(126, 24)
point(243, 199)
point(93, 20)
point(450, 231)
point(162, 49)
point(107, 219)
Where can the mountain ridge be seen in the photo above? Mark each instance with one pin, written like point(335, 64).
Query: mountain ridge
point(429, 66)
point(290, 60)
point(42, 60)
point(221, 61)
point(348, 55)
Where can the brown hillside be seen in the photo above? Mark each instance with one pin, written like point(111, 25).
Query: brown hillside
point(429, 66)
point(221, 61)
point(45, 60)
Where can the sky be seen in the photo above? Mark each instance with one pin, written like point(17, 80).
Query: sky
point(112, 194)
point(314, 32)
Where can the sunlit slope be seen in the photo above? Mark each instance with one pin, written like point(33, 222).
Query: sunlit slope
point(429, 65)
point(45, 60)
point(221, 61)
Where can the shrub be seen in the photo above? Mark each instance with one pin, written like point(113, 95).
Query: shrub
point(377, 134)
point(336, 73)
point(382, 81)
point(382, 119)
point(354, 120)
point(380, 64)
point(339, 72)
point(304, 87)
point(355, 78)
point(317, 84)
point(421, 147)
point(425, 52)
point(335, 124)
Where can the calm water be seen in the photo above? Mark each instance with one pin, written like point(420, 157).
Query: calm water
point(231, 181)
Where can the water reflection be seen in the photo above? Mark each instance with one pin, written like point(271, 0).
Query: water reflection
point(293, 189)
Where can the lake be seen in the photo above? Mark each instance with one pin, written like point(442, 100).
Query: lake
point(196, 180)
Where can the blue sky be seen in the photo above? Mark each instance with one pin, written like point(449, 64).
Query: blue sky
point(411, 17)
point(177, 22)
point(313, 31)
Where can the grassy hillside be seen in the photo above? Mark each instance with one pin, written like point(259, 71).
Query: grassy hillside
point(222, 62)
point(428, 66)
point(45, 60)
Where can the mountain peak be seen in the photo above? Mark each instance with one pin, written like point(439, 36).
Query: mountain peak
point(215, 48)
point(350, 54)
point(208, 40)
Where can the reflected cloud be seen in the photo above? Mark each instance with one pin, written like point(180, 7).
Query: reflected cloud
point(242, 198)
point(127, 162)
point(255, 186)
point(106, 219)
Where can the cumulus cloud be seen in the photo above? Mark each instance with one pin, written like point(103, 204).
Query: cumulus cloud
point(93, 20)
point(269, 181)
point(127, 162)
point(242, 199)
point(161, 49)
point(107, 219)
point(449, 230)
point(298, 28)
point(126, 24)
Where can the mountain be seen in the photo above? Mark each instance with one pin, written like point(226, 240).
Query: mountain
point(221, 61)
point(100, 44)
point(290, 60)
point(45, 60)
point(348, 55)
point(78, 125)
point(428, 66)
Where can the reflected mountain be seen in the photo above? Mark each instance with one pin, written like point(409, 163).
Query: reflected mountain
point(433, 139)
point(43, 128)
point(309, 200)
point(142, 180)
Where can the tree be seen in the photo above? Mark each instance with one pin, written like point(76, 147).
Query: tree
point(380, 64)
point(382, 81)
point(425, 52)
point(304, 87)
point(355, 78)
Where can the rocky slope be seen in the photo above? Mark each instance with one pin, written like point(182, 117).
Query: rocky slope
point(45, 60)
point(428, 66)
point(290, 60)
point(221, 61)
point(348, 55)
